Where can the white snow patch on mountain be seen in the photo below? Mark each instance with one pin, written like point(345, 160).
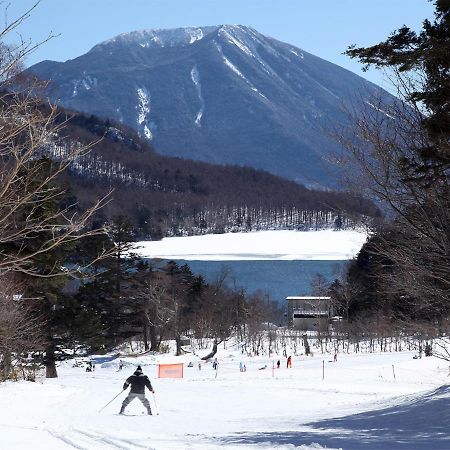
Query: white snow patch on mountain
point(226, 31)
point(239, 37)
point(299, 54)
point(195, 33)
point(231, 66)
point(161, 37)
point(143, 108)
point(195, 77)
point(86, 83)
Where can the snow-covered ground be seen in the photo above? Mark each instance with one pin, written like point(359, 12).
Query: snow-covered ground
point(259, 245)
point(358, 405)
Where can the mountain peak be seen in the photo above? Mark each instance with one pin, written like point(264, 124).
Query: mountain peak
point(172, 37)
point(151, 38)
point(223, 93)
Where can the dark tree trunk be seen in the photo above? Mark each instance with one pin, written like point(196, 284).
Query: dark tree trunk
point(50, 362)
point(145, 335)
point(212, 353)
point(6, 366)
point(306, 344)
point(154, 342)
point(178, 343)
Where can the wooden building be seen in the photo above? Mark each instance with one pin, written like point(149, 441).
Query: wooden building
point(309, 313)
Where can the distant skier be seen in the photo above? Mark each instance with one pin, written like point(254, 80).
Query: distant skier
point(89, 367)
point(120, 365)
point(278, 364)
point(289, 362)
point(138, 382)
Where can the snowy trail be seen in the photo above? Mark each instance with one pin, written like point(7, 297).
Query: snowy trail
point(289, 409)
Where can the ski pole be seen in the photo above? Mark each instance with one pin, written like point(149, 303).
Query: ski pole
point(156, 406)
point(100, 410)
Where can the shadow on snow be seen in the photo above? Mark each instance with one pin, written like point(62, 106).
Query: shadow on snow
point(419, 424)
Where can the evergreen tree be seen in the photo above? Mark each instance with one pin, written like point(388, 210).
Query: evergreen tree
point(403, 151)
point(110, 292)
point(423, 64)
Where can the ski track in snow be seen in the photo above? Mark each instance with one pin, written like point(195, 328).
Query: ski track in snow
point(357, 405)
point(90, 440)
point(195, 77)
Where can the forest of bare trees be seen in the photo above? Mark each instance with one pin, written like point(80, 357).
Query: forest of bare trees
point(399, 154)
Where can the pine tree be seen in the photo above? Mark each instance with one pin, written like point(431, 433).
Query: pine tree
point(422, 63)
point(403, 152)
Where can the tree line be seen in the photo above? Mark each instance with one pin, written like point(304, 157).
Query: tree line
point(399, 155)
point(167, 196)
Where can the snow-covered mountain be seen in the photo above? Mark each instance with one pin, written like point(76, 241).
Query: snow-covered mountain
point(223, 94)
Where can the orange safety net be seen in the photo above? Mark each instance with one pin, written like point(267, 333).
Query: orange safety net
point(170, 370)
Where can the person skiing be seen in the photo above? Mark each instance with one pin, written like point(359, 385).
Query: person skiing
point(138, 382)
point(289, 362)
point(278, 364)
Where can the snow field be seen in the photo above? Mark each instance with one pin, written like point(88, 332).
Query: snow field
point(235, 410)
point(258, 245)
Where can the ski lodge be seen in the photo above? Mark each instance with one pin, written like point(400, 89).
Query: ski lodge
point(309, 313)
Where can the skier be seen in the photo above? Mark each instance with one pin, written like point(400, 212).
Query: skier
point(289, 362)
point(138, 382)
point(278, 364)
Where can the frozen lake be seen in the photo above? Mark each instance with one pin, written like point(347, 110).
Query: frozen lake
point(278, 263)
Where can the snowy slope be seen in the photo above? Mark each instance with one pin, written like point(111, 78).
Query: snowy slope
point(260, 245)
point(358, 405)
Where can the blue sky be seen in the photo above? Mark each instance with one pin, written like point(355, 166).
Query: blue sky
point(322, 27)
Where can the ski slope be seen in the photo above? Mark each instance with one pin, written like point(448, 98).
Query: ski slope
point(258, 245)
point(358, 405)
